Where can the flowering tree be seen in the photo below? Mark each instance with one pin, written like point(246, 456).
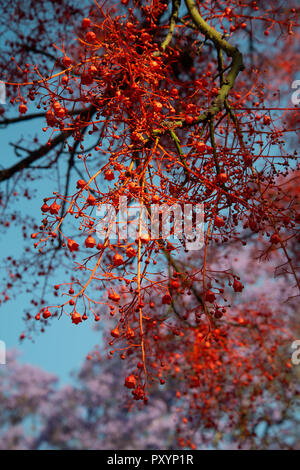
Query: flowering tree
point(162, 105)
point(38, 414)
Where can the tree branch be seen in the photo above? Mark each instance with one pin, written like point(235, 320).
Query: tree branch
point(37, 154)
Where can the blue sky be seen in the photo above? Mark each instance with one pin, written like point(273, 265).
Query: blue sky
point(62, 348)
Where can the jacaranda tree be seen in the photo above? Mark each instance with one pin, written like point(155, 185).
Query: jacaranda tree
point(94, 413)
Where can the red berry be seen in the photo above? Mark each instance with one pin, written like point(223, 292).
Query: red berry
point(189, 119)
point(200, 146)
point(210, 296)
point(114, 296)
point(115, 333)
point(73, 246)
point(86, 22)
point(67, 61)
point(237, 286)
point(275, 238)
point(86, 79)
point(91, 200)
point(130, 252)
point(222, 177)
point(175, 284)
point(76, 318)
point(46, 314)
point(54, 208)
point(154, 65)
point(80, 184)
point(90, 36)
point(219, 222)
point(109, 175)
point(166, 300)
point(23, 108)
point(130, 381)
point(65, 80)
point(50, 118)
point(93, 69)
point(56, 106)
point(157, 106)
point(174, 92)
point(90, 242)
point(130, 334)
point(118, 259)
point(61, 112)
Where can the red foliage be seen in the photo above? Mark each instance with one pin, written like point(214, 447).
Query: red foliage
point(180, 117)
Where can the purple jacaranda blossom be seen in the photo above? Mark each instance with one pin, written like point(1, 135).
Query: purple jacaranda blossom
point(95, 412)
